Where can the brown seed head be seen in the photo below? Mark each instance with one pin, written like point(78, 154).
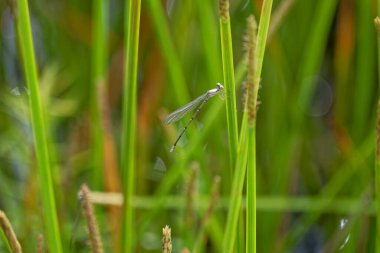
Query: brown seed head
point(377, 25)
point(166, 240)
point(92, 225)
point(252, 84)
point(224, 9)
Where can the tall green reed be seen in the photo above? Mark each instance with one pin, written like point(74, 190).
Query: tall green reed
point(251, 108)
point(229, 78)
point(128, 145)
point(377, 178)
point(236, 190)
point(39, 130)
point(256, 49)
point(99, 56)
point(230, 97)
point(377, 160)
point(365, 70)
point(377, 163)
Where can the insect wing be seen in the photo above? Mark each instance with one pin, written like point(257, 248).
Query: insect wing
point(181, 112)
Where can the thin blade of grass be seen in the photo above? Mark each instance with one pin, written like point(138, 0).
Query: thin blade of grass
point(128, 147)
point(377, 160)
point(236, 190)
point(39, 130)
point(255, 63)
point(229, 79)
point(99, 56)
point(365, 70)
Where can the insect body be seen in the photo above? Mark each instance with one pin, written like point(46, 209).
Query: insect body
point(198, 103)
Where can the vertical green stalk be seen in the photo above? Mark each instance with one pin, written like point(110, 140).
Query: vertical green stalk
point(377, 180)
point(229, 78)
point(251, 108)
point(256, 50)
point(236, 191)
point(39, 132)
point(251, 191)
point(229, 83)
point(377, 162)
point(365, 75)
point(132, 27)
point(99, 56)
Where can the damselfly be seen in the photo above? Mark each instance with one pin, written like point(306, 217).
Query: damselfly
point(198, 103)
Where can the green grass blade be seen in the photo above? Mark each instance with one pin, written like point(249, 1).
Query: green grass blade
point(236, 191)
point(229, 78)
point(99, 56)
point(365, 75)
point(251, 192)
point(128, 147)
point(377, 183)
point(39, 130)
point(377, 161)
point(262, 37)
point(256, 58)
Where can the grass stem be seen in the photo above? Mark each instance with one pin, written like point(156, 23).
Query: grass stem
point(377, 162)
point(128, 147)
point(92, 225)
point(229, 78)
point(256, 50)
point(99, 60)
point(10, 235)
point(39, 130)
point(236, 191)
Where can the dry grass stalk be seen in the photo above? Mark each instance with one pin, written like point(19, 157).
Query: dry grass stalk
point(191, 192)
point(278, 16)
point(224, 7)
point(215, 191)
point(377, 25)
point(166, 240)
point(252, 84)
point(13, 7)
point(9, 233)
point(93, 230)
point(40, 244)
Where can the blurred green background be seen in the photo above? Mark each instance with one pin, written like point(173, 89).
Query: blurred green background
point(316, 123)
